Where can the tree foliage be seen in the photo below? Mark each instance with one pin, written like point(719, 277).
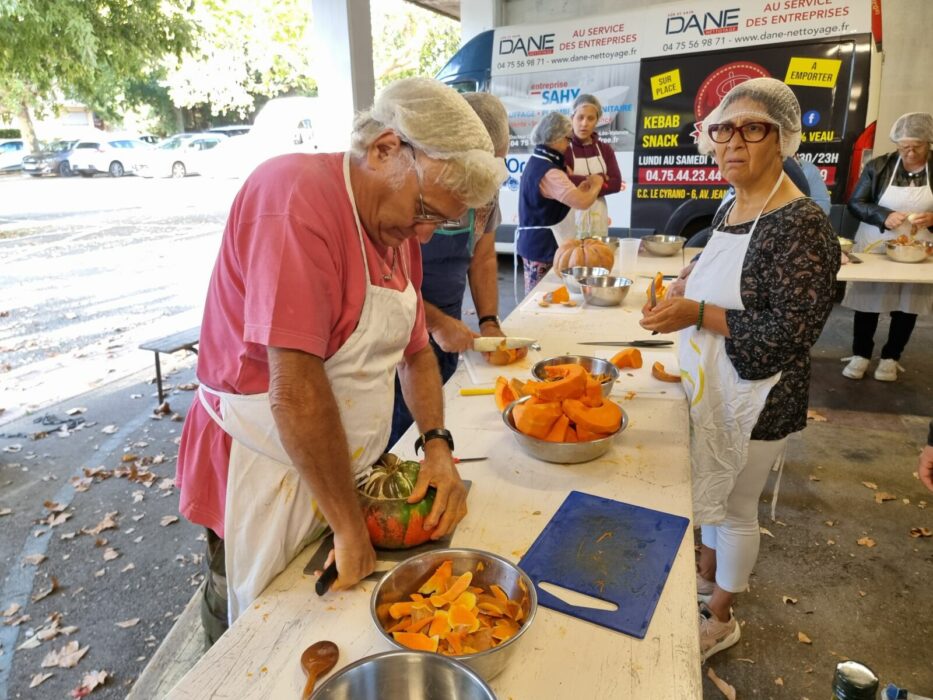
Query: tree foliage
point(410, 41)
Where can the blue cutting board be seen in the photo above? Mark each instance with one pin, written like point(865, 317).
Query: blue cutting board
point(609, 550)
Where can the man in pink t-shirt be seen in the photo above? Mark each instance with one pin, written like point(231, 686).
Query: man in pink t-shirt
point(312, 304)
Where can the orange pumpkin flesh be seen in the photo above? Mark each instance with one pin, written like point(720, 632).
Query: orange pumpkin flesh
point(630, 357)
point(659, 289)
point(504, 393)
point(657, 371)
point(505, 356)
point(570, 382)
point(597, 419)
point(560, 295)
point(538, 418)
point(463, 623)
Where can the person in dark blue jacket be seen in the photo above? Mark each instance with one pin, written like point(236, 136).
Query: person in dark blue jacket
point(546, 197)
point(454, 255)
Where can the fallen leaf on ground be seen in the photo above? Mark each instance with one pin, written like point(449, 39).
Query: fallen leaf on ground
point(921, 532)
point(89, 682)
point(814, 478)
point(12, 610)
point(53, 506)
point(779, 681)
point(66, 657)
point(829, 523)
point(129, 457)
point(787, 599)
point(168, 520)
point(866, 542)
point(188, 386)
point(883, 496)
point(44, 594)
point(110, 554)
point(5, 511)
point(75, 411)
point(870, 485)
point(163, 409)
point(128, 567)
point(723, 687)
point(34, 559)
point(109, 429)
point(803, 639)
point(816, 417)
point(166, 484)
point(39, 679)
point(13, 448)
point(108, 523)
point(128, 623)
point(765, 531)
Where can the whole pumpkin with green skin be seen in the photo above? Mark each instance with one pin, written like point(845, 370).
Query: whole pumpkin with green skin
point(392, 521)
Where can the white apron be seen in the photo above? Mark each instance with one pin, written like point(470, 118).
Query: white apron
point(723, 407)
point(270, 513)
point(878, 297)
point(595, 220)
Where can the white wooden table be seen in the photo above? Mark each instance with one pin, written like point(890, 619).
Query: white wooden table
point(880, 268)
point(512, 498)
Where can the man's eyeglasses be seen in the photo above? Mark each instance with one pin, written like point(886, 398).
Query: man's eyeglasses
point(753, 132)
point(426, 217)
point(910, 148)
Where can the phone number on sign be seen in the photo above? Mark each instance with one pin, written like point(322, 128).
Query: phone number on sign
point(687, 176)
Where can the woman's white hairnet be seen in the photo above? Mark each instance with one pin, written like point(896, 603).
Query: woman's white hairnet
point(552, 126)
point(436, 120)
point(913, 125)
point(586, 99)
point(494, 116)
point(779, 106)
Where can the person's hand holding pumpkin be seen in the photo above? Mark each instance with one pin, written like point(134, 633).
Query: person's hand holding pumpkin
point(438, 470)
point(670, 315)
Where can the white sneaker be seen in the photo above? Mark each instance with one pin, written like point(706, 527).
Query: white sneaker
point(856, 368)
point(715, 635)
point(887, 371)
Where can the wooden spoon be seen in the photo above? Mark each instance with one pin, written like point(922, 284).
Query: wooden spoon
point(317, 660)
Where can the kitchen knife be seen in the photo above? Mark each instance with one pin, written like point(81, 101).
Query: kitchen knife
point(854, 259)
point(491, 344)
point(632, 343)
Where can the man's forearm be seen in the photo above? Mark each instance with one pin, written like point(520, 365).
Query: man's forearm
point(421, 386)
point(483, 274)
point(309, 425)
point(433, 317)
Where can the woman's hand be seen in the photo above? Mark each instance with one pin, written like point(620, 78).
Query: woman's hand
point(895, 219)
point(921, 220)
point(671, 315)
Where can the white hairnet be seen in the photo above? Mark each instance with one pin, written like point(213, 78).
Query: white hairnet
point(552, 126)
point(913, 125)
point(585, 99)
point(778, 106)
point(436, 120)
point(494, 116)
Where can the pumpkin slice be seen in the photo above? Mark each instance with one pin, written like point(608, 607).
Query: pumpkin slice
point(593, 396)
point(514, 610)
point(518, 389)
point(629, 357)
point(438, 578)
point(455, 640)
point(659, 289)
point(559, 430)
point(584, 435)
point(505, 356)
point(400, 610)
point(503, 392)
point(599, 419)
point(657, 371)
point(481, 640)
point(569, 383)
point(498, 593)
point(571, 435)
point(452, 593)
point(440, 624)
point(560, 295)
point(418, 625)
point(505, 629)
point(416, 641)
point(462, 619)
point(467, 599)
point(538, 418)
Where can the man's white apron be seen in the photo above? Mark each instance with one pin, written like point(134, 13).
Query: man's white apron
point(270, 512)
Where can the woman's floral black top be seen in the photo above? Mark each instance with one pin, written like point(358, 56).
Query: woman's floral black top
point(788, 281)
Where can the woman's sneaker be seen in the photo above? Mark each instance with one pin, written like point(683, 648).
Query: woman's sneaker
point(887, 371)
point(856, 368)
point(715, 635)
point(704, 589)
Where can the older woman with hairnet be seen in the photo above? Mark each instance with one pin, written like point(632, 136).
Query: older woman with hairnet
point(460, 251)
point(587, 155)
point(893, 197)
point(312, 304)
point(755, 302)
point(546, 197)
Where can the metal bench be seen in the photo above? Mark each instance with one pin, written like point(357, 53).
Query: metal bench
point(185, 340)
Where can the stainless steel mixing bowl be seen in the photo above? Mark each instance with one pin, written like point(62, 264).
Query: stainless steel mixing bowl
point(662, 244)
point(605, 291)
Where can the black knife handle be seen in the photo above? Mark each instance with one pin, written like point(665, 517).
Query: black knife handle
point(651, 343)
point(326, 579)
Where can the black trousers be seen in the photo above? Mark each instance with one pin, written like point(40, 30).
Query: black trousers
point(214, 602)
point(865, 325)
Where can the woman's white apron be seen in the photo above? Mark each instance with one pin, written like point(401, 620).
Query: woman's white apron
point(270, 512)
point(877, 297)
point(723, 407)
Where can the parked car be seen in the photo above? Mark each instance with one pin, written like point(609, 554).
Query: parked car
point(115, 157)
point(53, 159)
point(232, 130)
point(11, 155)
point(178, 156)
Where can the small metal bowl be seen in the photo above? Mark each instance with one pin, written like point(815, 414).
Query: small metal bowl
point(487, 568)
point(611, 241)
point(560, 452)
point(663, 245)
point(593, 365)
point(415, 675)
point(573, 275)
point(845, 244)
point(605, 291)
point(908, 252)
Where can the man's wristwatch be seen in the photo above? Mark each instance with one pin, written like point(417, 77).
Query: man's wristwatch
point(436, 433)
point(488, 319)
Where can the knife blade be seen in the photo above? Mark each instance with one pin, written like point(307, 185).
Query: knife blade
point(491, 344)
point(631, 343)
point(854, 259)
